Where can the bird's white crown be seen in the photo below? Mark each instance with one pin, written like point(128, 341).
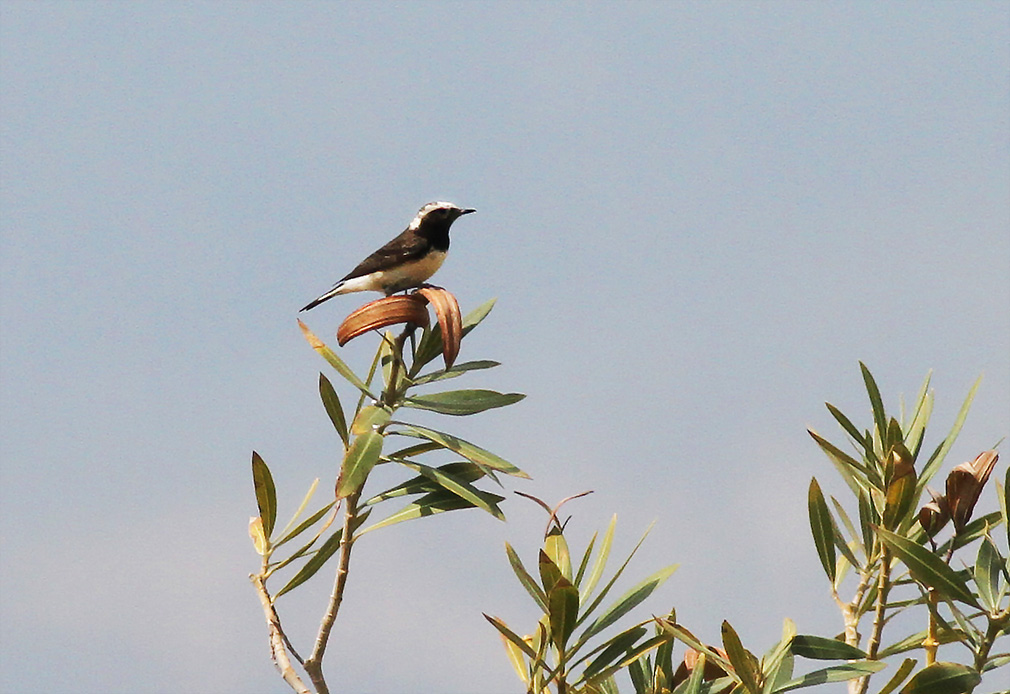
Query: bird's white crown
point(431, 206)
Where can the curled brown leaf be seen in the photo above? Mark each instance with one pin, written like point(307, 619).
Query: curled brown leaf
point(964, 485)
point(381, 313)
point(449, 319)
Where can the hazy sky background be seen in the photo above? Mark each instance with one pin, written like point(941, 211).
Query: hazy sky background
point(697, 218)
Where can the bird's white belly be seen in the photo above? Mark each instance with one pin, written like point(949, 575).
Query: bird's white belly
point(402, 277)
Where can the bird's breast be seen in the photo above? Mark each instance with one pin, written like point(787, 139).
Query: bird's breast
point(412, 273)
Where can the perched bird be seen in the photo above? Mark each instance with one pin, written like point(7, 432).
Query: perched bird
point(406, 261)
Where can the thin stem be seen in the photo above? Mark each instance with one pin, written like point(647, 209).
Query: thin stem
point(277, 638)
point(932, 642)
point(996, 625)
point(314, 663)
point(391, 393)
point(883, 588)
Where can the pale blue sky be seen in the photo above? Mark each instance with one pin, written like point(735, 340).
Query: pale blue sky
point(697, 218)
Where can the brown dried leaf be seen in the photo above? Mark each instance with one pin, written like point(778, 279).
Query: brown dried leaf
point(381, 313)
point(964, 485)
point(449, 319)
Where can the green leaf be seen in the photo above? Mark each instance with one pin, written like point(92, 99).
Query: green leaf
point(820, 648)
point(942, 678)
point(474, 318)
point(920, 418)
point(361, 457)
point(744, 662)
point(633, 658)
point(1004, 503)
point(306, 524)
point(601, 561)
point(455, 370)
point(822, 528)
point(627, 602)
point(535, 591)
point(904, 670)
point(462, 471)
point(988, 567)
point(686, 637)
point(936, 460)
point(697, 676)
point(457, 486)
point(462, 402)
point(613, 649)
point(325, 551)
point(844, 463)
point(847, 425)
point(613, 579)
point(466, 449)
point(332, 404)
point(584, 564)
point(370, 419)
point(835, 673)
point(511, 635)
point(336, 362)
point(429, 505)
point(266, 493)
point(556, 548)
point(879, 416)
point(563, 606)
point(550, 574)
point(927, 568)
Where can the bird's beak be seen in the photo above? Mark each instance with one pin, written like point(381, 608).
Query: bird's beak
point(467, 211)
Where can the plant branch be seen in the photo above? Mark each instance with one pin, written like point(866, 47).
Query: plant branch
point(883, 588)
point(277, 638)
point(314, 663)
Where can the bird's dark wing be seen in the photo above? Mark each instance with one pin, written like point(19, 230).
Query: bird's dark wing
point(405, 247)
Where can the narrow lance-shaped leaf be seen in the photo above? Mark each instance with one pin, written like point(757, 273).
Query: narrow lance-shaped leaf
point(457, 486)
point(612, 650)
point(988, 566)
point(877, 404)
point(822, 528)
point(429, 505)
point(942, 678)
point(466, 449)
point(298, 512)
point(336, 362)
point(513, 637)
point(563, 606)
point(463, 471)
point(557, 549)
point(936, 460)
point(613, 579)
point(462, 402)
point(359, 461)
point(907, 665)
point(525, 579)
point(455, 370)
point(744, 662)
point(821, 648)
point(266, 493)
point(835, 673)
point(627, 602)
point(332, 404)
point(847, 425)
point(600, 563)
point(927, 568)
point(325, 551)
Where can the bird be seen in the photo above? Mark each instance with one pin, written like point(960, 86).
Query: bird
point(405, 262)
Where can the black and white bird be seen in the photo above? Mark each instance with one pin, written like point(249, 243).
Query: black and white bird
point(408, 260)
